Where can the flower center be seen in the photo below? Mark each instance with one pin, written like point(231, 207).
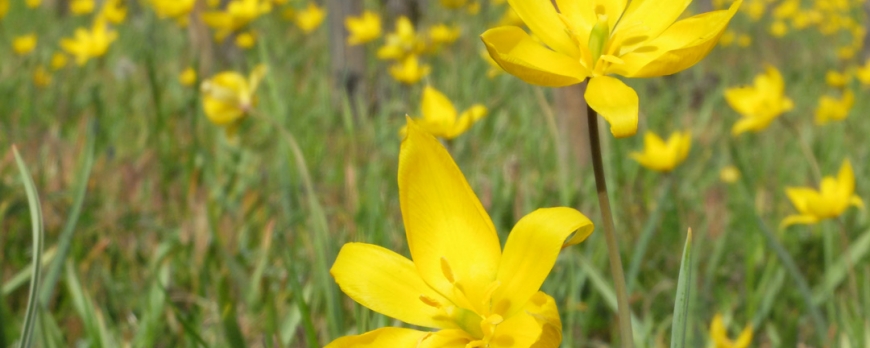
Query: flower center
point(598, 37)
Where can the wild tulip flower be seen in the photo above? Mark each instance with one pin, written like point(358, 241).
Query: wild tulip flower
point(33, 3)
point(401, 43)
point(661, 156)
point(246, 40)
point(730, 174)
point(187, 77)
point(596, 39)
point(836, 79)
point(440, 117)
point(863, 73)
point(458, 280)
point(238, 14)
point(834, 109)
point(4, 8)
point(760, 103)
point(228, 97)
point(179, 10)
point(90, 44)
point(830, 201)
point(442, 34)
point(41, 77)
point(58, 61)
point(409, 70)
point(719, 335)
point(114, 11)
point(81, 7)
point(363, 29)
point(494, 68)
point(310, 18)
point(24, 45)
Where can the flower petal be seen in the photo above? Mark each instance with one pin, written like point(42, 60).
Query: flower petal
point(798, 219)
point(542, 19)
point(543, 308)
point(437, 109)
point(446, 339)
point(616, 102)
point(466, 120)
point(388, 283)
point(654, 16)
point(518, 54)
point(451, 237)
point(846, 181)
point(537, 325)
point(383, 337)
point(531, 251)
point(801, 196)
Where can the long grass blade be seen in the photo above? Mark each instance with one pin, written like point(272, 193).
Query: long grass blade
point(36, 270)
point(681, 303)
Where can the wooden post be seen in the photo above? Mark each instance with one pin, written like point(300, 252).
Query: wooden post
point(348, 63)
point(571, 119)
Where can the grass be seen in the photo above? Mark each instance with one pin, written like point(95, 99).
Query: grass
point(161, 233)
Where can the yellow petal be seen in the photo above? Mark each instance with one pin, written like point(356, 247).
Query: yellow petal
point(846, 181)
point(754, 124)
point(388, 283)
point(718, 333)
point(543, 308)
point(531, 251)
point(383, 337)
point(520, 330)
point(744, 339)
point(446, 339)
point(466, 120)
point(798, 219)
point(801, 196)
point(856, 201)
point(542, 19)
point(681, 46)
point(437, 109)
point(653, 16)
point(616, 102)
point(449, 233)
point(518, 54)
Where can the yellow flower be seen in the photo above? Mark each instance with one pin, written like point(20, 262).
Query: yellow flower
point(863, 73)
point(113, 11)
point(310, 18)
point(4, 8)
point(228, 97)
point(41, 77)
point(510, 17)
point(33, 3)
point(458, 280)
point(778, 29)
point(179, 10)
point(439, 116)
point(729, 175)
point(832, 199)
point(836, 79)
point(363, 29)
point(441, 34)
point(605, 37)
point(187, 77)
point(238, 14)
point(719, 335)
point(401, 43)
point(744, 40)
point(81, 7)
point(25, 44)
point(58, 61)
point(727, 38)
point(246, 40)
point(90, 44)
point(663, 157)
point(494, 68)
point(759, 104)
point(453, 4)
point(832, 109)
point(409, 70)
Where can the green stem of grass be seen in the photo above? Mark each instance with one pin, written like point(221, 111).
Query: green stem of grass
point(623, 310)
point(648, 232)
point(805, 149)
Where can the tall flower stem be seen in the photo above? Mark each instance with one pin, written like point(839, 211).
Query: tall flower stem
point(616, 271)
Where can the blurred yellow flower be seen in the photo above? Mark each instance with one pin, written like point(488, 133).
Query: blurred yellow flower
point(363, 29)
point(744, 40)
point(730, 174)
point(473, 8)
point(90, 44)
point(663, 156)
point(228, 97)
point(719, 335)
point(81, 7)
point(179, 10)
point(640, 39)
point(727, 39)
point(32, 3)
point(510, 17)
point(401, 43)
point(246, 40)
point(863, 73)
point(24, 44)
point(58, 61)
point(440, 118)
point(238, 14)
point(4, 8)
point(778, 29)
point(41, 77)
point(831, 200)
point(442, 34)
point(310, 18)
point(836, 79)
point(453, 4)
point(458, 281)
point(187, 77)
point(409, 70)
point(113, 11)
point(833, 109)
point(759, 104)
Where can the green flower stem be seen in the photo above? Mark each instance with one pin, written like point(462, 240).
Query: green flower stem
point(805, 148)
point(616, 271)
point(649, 230)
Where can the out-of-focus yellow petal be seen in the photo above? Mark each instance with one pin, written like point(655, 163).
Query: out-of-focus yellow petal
point(466, 120)
point(436, 107)
point(744, 339)
point(542, 19)
point(616, 102)
point(518, 54)
point(388, 283)
point(798, 220)
point(857, 202)
point(846, 181)
point(451, 237)
point(749, 124)
point(654, 16)
point(383, 337)
point(800, 196)
point(531, 251)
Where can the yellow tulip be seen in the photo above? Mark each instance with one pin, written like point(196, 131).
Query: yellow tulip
point(759, 104)
point(831, 200)
point(187, 77)
point(833, 109)
point(228, 97)
point(778, 29)
point(363, 29)
point(58, 61)
point(442, 34)
point(246, 40)
point(33, 3)
point(863, 73)
point(458, 280)
point(4, 8)
point(494, 68)
point(41, 77)
point(453, 4)
point(238, 14)
point(81, 7)
point(663, 156)
point(440, 118)
point(113, 11)
point(409, 70)
point(90, 44)
point(179, 10)
point(729, 175)
point(595, 39)
point(401, 43)
point(310, 18)
point(719, 335)
point(836, 79)
point(25, 44)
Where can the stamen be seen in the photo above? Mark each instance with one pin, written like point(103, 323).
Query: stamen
point(447, 271)
point(430, 301)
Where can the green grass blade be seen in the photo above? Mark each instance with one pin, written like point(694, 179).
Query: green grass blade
point(681, 303)
point(837, 273)
point(37, 227)
point(646, 236)
point(94, 325)
point(65, 241)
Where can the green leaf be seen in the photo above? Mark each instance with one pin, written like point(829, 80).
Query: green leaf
point(681, 303)
point(38, 235)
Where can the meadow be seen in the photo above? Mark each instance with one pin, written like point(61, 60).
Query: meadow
point(163, 226)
